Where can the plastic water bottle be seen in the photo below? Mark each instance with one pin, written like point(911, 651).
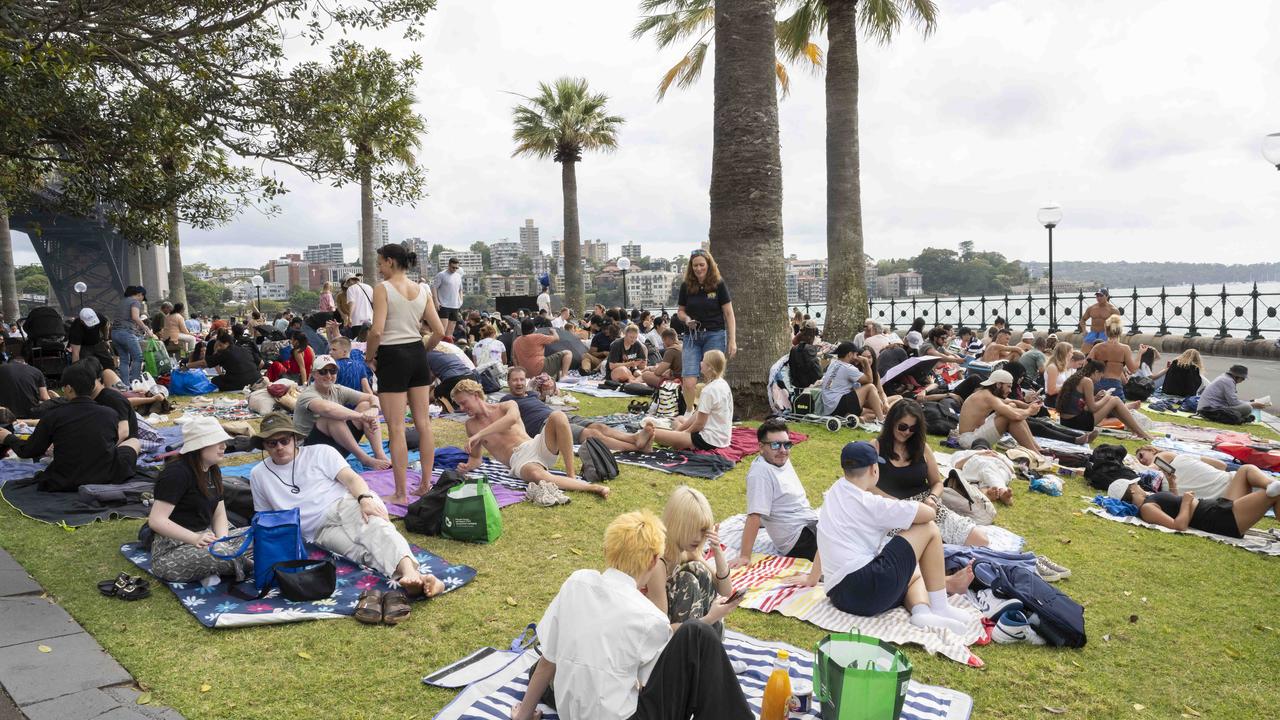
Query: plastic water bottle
point(777, 693)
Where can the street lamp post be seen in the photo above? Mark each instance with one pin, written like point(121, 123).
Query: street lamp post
point(1049, 216)
point(257, 281)
point(624, 264)
point(80, 289)
point(1271, 149)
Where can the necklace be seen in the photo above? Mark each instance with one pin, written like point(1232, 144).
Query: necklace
point(293, 472)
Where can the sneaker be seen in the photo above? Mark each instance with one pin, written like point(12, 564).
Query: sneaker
point(1013, 627)
point(1059, 570)
point(540, 495)
point(1046, 572)
point(559, 495)
point(990, 604)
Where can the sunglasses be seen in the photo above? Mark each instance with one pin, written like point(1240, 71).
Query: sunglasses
point(906, 428)
point(781, 445)
point(698, 253)
point(278, 442)
point(328, 371)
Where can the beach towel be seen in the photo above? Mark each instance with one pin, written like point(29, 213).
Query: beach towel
point(593, 389)
point(12, 469)
point(507, 489)
point(215, 607)
point(1263, 542)
point(68, 509)
point(493, 697)
point(679, 462)
point(743, 443)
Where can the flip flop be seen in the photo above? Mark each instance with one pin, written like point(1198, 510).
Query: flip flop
point(395, 607)
point(369, 607)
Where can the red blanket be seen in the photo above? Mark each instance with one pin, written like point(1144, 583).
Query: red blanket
point(743, 443)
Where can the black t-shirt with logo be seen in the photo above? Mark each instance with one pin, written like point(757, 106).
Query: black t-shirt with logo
point(705, 307)
point(619, 353)
point(178, 486)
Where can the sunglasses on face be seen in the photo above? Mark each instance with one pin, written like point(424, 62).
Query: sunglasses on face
point(781, 445)
point(906, 428)
point(328, 371)
point(278, 442)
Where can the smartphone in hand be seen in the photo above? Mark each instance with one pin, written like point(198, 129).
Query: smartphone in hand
point(1164, 465)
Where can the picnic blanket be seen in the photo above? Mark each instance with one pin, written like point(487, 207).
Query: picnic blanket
point(587, 387)
point(215, 607)
point(705, 464)
point(507, 489)
point(493, 697)
point(67, 509)
point(12, 469)
point(1263, 542)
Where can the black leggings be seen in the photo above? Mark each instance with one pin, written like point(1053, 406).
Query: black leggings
point(1052, 431)
point(693, 678)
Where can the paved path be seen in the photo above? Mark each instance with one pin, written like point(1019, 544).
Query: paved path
point(75, 679)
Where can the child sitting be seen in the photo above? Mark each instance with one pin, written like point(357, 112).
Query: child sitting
point(352, 370)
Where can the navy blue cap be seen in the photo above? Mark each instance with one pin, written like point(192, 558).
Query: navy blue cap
point(860, 454)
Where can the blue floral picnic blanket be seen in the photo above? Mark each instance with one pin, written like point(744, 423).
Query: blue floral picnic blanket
point(215, 607)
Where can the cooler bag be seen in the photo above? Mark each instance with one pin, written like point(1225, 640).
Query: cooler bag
point(859, 677)
point(276, 537)
point(471, 513)
point(808, 402)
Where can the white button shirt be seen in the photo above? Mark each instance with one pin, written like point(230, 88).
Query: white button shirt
point(604, 637)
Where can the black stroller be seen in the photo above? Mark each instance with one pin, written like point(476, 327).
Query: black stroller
point(46, 346)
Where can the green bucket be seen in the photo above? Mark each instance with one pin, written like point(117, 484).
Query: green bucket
point(859, 677)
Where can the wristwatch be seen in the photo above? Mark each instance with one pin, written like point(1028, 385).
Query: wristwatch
point(360, 498)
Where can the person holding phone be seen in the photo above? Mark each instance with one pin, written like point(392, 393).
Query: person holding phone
point(1081, 405)
point(706, 310)
point(683, 584)
point(1207, 478)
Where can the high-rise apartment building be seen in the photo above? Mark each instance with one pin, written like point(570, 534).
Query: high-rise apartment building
point(632, 251)
point(595, 251)
point(324, 254)
point(529, 246)
point(504, 256)
point(381, 232)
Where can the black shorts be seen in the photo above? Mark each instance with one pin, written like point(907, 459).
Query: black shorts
point(806, 545)
point(848, 405)
point(447, 313)
point(1082, 422)
point(401, 367)
point(318, 437)
point(701, 444)
point(879, 585)
point(445, 388)
point(1217, 517)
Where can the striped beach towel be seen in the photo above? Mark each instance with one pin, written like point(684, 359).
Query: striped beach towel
point(493, 697)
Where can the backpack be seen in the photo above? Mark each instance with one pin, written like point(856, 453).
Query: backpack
point(964, 498)
point(271, 350)
point(668, 401)
point(803, 363)
point(1107, 465)
point(426, 515)
point(1139, 388)
point(938, 420)
point(1058, 618)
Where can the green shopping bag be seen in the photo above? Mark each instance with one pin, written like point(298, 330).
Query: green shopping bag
point(859, 677)
point(471, 513)
point(156, 358)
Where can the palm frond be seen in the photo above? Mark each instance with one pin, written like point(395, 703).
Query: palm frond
point(795, 32)
point(784, 80)
point(562, 119)
point(881, 19)
point(686, 19)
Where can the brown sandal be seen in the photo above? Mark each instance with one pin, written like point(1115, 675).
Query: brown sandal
point(395, 607)
point(369, 607)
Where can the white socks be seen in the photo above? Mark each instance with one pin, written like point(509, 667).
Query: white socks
point(1273, 489)
point(939, 605)
point(923, 616)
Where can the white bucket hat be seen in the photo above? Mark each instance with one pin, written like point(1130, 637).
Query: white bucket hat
point(201, 432)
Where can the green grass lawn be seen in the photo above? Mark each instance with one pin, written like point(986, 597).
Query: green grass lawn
point(1177, 625)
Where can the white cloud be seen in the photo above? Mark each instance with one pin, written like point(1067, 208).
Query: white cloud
point(1142, 119)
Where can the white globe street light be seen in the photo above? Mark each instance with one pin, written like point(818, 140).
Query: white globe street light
point(1271, 149)
point(80, 289)
point(257, 282)
point(624, 264)
point(1049, 215)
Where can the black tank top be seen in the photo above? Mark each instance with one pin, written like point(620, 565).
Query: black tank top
point(903, 482)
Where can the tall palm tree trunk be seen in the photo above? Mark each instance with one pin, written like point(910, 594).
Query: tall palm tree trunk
point(177, 283)
point(8, 278)
point(846, 277)
point(746, 193)
point(573, 293)
point(367, 265)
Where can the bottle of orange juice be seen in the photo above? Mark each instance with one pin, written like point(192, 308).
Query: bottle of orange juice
point(777, 693)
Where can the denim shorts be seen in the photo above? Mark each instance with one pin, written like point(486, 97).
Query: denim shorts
point(696, 344)
point(1106, 383)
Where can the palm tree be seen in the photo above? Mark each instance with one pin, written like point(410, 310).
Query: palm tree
point(880, 19)
point(746, 192)
point(560, 122)
point(8, 279)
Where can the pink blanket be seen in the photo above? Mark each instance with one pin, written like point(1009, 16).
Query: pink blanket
point(743, 443)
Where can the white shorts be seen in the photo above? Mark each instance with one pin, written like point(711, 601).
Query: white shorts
point(987, 431)
point(532, 452)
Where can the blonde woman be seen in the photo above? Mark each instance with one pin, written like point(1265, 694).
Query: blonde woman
point(684, 583)
point(326, 298)
point(1184, 376)
point(1064, 361)
point(710, 425)
point(1118, 361)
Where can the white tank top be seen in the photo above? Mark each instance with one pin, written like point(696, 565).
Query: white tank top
point(403, 315)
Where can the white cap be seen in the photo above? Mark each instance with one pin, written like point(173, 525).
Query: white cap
point(914, 340)
point(1118, 488)
point(1028, 336)
point(89, 317)
point(323, 361)
point(998, 376)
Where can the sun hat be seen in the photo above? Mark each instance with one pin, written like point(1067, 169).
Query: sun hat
point(273, 424)
point(1028, 335)
point(89, 317)
point(323, 361)
point(997, 376)
point(201, 432)
point(859, 454)
point(1119, 487)
point(1238, 371)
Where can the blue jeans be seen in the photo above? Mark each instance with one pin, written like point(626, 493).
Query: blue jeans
point(696, 344)
point(130, 352)
point(1105, 383)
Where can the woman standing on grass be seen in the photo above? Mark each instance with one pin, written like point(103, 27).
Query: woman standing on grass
point(707, 310)
point(398, 354)
point(710, 426)
point(683, 584)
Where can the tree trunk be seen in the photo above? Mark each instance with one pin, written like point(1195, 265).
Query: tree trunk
point(367, 252)
point(572, 244)
point(8, 278)
point(846, 276)
point(177, 283)
point(746, 194)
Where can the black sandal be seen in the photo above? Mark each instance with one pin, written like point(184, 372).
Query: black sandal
point(137, 589)
point(109, 588)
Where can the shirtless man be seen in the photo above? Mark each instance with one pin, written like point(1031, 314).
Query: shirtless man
point(534, 413)
point(987, 415)
point(1000, 349)
point(1096, 315)
point(499, 429)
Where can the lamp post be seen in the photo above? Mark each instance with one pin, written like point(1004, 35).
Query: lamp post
point(80, 289)
point(1271, 149)
point(257, 281)
point(624, 264)
point(1049, 215)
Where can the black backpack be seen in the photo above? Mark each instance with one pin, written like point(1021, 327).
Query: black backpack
point(937, 419)
point(426, 515)
point(1106, 466)
point(1139, 388)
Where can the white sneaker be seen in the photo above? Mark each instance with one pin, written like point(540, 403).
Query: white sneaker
point(1013, 627)
point(990, 604)
point(540, 494)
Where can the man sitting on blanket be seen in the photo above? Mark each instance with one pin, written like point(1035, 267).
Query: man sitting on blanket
point(327, 413)
point(338, 511)
point(498, 429)
point(610, 654)
point(534, 413)
point(988, 415)
point(776, 498)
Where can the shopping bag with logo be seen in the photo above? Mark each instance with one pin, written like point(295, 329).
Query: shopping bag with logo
point(471, 513)
point(859, 677)
point(156, 358)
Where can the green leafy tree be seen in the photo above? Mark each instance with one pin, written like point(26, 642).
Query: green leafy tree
point(204, 296)
point(304, 301)
point(482, 249)
point(561, 122)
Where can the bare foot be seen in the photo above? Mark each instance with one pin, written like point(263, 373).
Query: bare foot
point(396, 499)
point(424, 485)
point(959, 581)
point(601, 490)
point(375, 463)
point(1088, 437)
point(644, 440)
point(1003, 496)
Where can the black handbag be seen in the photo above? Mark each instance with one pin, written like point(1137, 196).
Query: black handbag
point(306, 580)
point(426, 514)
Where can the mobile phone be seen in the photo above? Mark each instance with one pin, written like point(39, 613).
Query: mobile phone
point(736, 596)
point(1164, 465)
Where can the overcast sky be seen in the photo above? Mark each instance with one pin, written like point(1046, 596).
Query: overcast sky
point(1143, 119)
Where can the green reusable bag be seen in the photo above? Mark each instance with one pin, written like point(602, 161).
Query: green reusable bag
point(859, 677)
point(155, 358)
point(471, 513)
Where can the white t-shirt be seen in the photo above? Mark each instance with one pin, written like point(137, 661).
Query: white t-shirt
point(360, 303)
point(488, 352)
point(604, 637)
point(776, 495)
point(314, 472)
point(716, 401)
point(558, 322)
point(655, 340)
point(544, 302)
point(448, 288)
point(852, 527)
